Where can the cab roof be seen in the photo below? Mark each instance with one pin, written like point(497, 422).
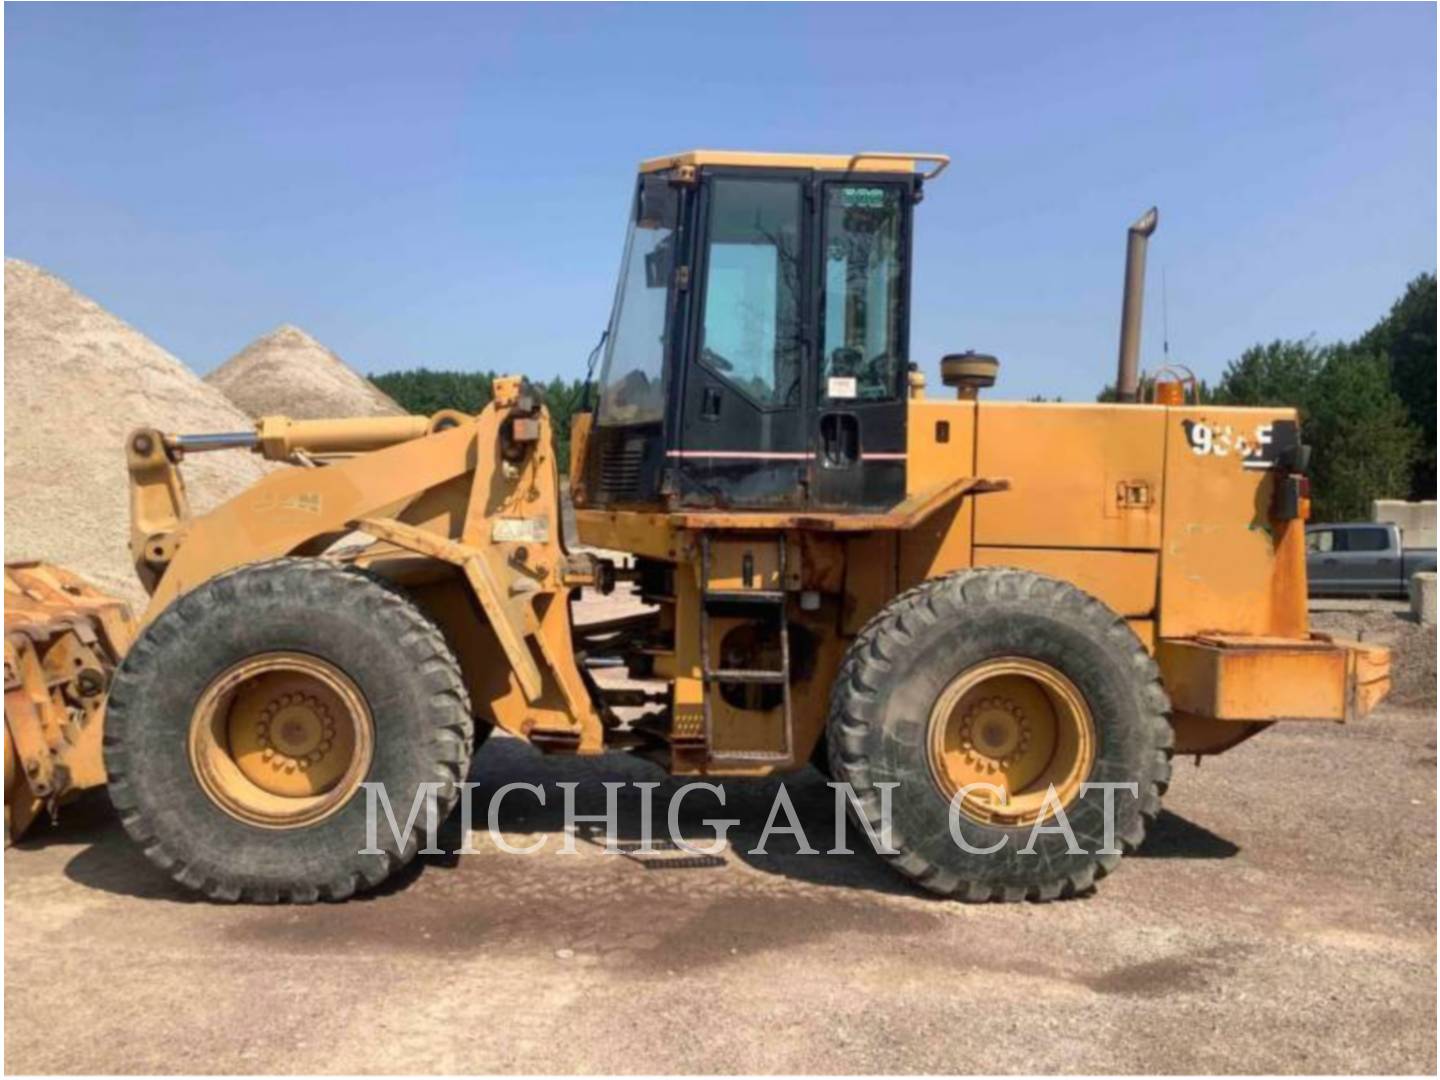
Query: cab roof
point(865, 161)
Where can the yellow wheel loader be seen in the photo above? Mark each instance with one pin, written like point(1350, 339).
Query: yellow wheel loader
point(980, 615)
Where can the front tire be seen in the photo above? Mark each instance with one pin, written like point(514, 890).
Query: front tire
point(246, 717)
point(1013, 679)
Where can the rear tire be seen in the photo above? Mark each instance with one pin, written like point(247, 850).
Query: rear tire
point(889, 724)
point(363, 642)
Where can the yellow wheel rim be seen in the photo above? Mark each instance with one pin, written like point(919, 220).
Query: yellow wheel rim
point(281, 740)
point(1018, 725)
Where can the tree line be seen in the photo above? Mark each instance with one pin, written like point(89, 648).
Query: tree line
point(1366, 406)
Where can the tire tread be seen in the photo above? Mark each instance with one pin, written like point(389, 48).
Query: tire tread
point(377, 599)
point(854, 712)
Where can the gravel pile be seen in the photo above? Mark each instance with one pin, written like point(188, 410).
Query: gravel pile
point(288, 373)
point(77, 380)
point(1411, 644)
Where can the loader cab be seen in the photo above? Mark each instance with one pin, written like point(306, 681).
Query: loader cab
point(758, 349)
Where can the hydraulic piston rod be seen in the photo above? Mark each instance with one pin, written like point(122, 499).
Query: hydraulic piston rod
point(278, 437)
point(221, 440)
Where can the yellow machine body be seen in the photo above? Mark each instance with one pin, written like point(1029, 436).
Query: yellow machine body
point(1166, 513)
point(1112, 498)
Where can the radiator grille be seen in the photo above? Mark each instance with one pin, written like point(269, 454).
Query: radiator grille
point(622, 469)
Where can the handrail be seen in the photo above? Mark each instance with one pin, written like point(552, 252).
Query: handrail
point(940, 161)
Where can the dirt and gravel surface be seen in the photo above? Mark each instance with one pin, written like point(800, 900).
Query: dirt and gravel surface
point(77, 381)
point(288, 373)
point(1280, 918)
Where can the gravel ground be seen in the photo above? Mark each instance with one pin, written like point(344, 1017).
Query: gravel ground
point(1281, 917)
point(1412, 647)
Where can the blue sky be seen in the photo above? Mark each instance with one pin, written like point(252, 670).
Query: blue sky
point(447, 185)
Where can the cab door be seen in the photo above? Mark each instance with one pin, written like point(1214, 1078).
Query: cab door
point(1369, 560)
point(746, 407)
point(862, 264)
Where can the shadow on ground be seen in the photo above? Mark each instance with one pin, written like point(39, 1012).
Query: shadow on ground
point(109, 861)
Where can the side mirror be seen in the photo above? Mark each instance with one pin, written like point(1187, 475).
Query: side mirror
point(658, 203)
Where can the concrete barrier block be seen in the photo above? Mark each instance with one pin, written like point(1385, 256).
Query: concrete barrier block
point(1422, 597)
point(1416, 519)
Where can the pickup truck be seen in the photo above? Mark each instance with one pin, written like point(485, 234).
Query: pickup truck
point(1362, 559)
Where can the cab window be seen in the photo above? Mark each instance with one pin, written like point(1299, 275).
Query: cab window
point(632, 385)
point(1368, 540)
point(863, 298)
point(750, 331)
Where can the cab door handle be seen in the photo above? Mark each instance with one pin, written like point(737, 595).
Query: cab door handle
point(839, 440)
point(710, 404)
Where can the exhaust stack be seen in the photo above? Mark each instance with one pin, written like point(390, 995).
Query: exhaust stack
point(1127, 379)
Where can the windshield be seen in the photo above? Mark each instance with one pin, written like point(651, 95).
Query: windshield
point(632, 380)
